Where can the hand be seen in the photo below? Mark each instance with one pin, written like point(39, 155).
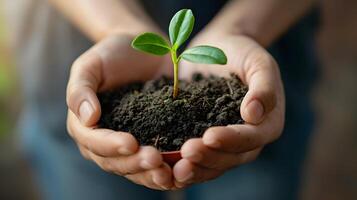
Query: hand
point(109, 64)
point(263, 108)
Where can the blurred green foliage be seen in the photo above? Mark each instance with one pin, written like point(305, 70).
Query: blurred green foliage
point(6, 83)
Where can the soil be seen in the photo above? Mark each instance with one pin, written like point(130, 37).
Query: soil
point(148, 111)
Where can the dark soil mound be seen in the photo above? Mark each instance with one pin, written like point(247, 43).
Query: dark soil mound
point(148, 111)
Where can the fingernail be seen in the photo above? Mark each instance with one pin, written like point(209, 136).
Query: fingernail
point(85, 111)
point(209, 140)
point(255, 109)
point(125, 151)
point(212, 143)
point(179, 185)
point(146, 164)
point(159, 180)
point(186, 178)
point(193, 156)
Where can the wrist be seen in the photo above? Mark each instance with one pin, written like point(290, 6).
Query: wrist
point(220, 30)
point(212, 35)
point(132, 29)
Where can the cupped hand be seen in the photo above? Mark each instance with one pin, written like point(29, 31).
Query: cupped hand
point(263, 109)
point(109, 64)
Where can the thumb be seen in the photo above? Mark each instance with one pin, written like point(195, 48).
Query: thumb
point(263, 81)
point(82, 87)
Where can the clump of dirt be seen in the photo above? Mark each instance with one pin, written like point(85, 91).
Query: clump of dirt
point(148, 111)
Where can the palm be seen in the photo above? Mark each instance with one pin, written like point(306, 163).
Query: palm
point(245, 57)
point(241, 44)
point(262, 109)
point(110, 64)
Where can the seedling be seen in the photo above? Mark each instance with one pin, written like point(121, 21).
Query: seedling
point(180, 29)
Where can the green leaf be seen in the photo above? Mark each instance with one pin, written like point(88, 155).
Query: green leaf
point(181, 26)
point(151, 43)
point(205, 55)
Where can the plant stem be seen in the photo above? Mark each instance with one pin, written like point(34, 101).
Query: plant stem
point(176, 81)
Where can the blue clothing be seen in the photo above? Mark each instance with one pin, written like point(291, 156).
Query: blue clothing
point(64, 174)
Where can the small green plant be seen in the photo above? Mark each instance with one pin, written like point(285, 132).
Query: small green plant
point(180, 29)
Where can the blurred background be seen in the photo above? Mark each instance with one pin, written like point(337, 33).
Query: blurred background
point(15, 176)
point(331, 167)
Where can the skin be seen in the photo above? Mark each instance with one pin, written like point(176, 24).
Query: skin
point(99, 69)
point(225, 147)
point(105, 66)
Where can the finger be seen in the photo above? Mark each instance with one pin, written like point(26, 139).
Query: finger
point(263, 79)
point(147, 158)
point(83, 84)
point(186, 173)
point(238, 138)
point(103, 142)
point(84, 152)
point(195, 151)
point(163, 177)
point(158, 179)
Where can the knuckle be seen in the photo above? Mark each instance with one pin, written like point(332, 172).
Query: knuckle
point(277, 133)
point(126, 167)
point(255, 142)
point(106, 165)
point(84, 154)
point(250, 142)
point(78, 63)
point(212, 163)
point(131, 177)
point(69, 127)
point(87, 145)
point(263, 60)
point(116, 139)
point(250, 158)
point(122, 169)
point(95, 149)
point(71, 95)
point(253, 158)
point(275, 136)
